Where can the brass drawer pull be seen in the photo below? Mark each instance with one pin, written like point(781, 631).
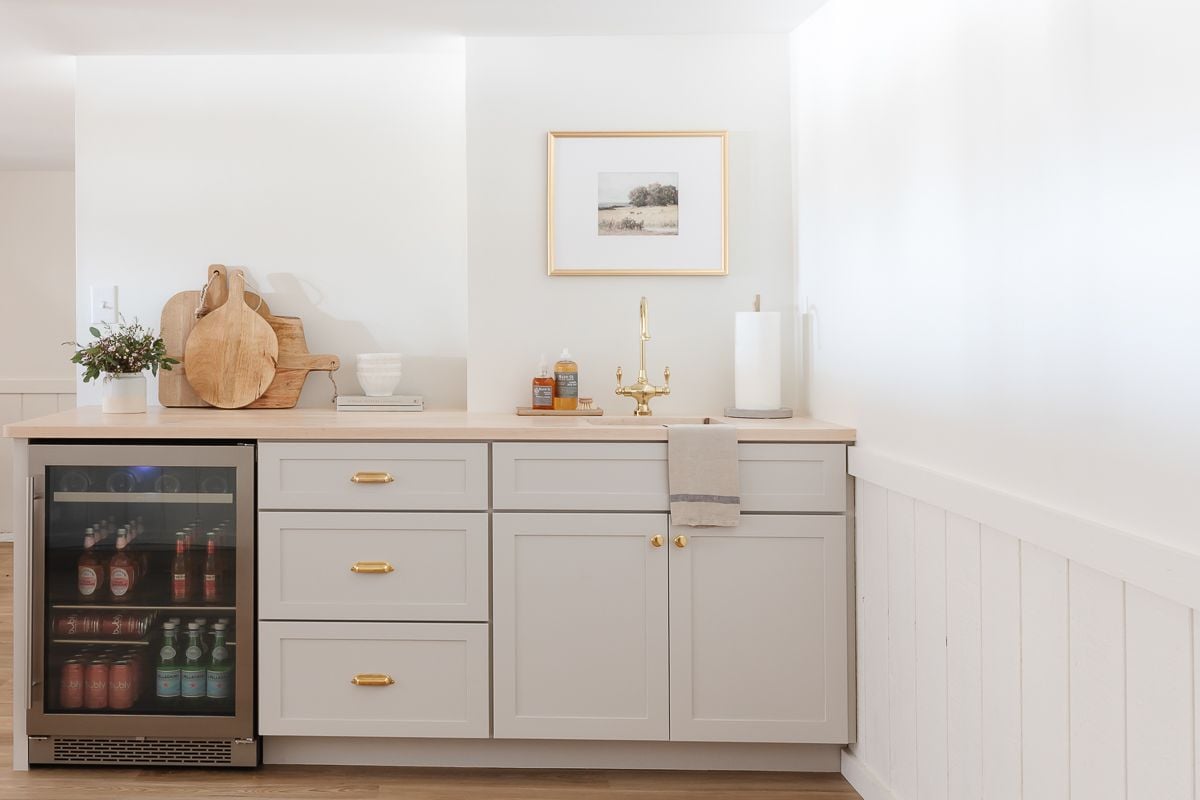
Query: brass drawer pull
point(372, 679)
point(372, 567)
point(656, 540)
point(372, 477)
point(680, 541)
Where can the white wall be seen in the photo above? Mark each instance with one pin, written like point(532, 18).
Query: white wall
point(337, 182)
point(37, 260)
point(996, 208)
point(995, 215)
point(517, 90)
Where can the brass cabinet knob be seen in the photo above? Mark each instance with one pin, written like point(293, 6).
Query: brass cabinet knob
point(680, 541)
point(656, 540)
point(371, 477)
point(372, 567)
point(372, 679)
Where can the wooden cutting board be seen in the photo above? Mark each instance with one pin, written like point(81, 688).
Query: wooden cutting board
point(179, 316)
point(295, 362)
point(231, 353)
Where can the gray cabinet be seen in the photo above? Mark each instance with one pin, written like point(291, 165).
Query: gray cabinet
point(758, 631)
point(374, 617)
point(580, 638)
point(609, 625)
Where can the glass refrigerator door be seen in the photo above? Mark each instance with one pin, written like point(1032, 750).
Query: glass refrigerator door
point(141, 593)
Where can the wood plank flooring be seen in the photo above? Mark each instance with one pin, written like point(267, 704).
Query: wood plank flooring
point(363, 783)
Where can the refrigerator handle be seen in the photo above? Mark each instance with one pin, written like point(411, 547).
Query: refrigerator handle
point(31, 542)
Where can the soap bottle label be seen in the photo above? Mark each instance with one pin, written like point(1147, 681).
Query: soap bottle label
point(566, 384)
point(543, 396)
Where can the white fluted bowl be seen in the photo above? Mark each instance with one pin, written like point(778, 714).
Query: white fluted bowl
point(378, 384)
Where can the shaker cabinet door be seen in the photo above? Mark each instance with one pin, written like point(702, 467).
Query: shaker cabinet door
point(759, 631)
point(580, 626)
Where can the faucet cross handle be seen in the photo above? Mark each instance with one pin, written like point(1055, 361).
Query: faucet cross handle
point(667, 376)
point(620, 375)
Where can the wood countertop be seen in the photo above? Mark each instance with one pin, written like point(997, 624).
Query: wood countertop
point(303, 424)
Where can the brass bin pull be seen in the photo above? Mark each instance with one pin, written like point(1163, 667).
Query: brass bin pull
point(372, 477)
point(656, 540)
point(372, 567)
point(372, 679)
point(680, 541)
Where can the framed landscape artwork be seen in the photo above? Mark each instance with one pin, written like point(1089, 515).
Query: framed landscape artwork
point(628, 203)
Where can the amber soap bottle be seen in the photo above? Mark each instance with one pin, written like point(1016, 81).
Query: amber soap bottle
point(566, 383)
point(543, 387)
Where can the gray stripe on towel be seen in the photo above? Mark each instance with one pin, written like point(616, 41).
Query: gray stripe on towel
point(705, 498)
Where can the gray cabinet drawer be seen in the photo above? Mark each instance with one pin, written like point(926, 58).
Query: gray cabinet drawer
point(632, 476)
point(412, 476)
point(438, 674)
point(387, 566)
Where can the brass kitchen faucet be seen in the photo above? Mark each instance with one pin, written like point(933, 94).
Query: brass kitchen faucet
point(643, 391)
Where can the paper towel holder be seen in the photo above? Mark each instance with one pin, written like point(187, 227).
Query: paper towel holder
point(756, 413)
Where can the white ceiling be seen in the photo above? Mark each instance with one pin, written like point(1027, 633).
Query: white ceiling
point(38, 39)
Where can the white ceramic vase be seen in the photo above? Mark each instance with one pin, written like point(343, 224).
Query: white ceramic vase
point(124, 393)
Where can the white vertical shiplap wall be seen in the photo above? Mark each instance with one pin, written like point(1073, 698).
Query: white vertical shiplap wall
point(19, 402)
point(999, 663)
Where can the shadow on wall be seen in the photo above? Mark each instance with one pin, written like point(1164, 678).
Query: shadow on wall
point(442, 381)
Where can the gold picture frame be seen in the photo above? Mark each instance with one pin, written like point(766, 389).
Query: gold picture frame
point(589, 239)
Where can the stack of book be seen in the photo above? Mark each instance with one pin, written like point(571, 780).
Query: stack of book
point(396, 402)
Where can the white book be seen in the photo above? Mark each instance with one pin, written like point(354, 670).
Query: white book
point(361, 401)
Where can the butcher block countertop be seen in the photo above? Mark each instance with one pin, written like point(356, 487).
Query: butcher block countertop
point(315, 424)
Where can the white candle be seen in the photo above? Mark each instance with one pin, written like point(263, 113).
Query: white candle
point(756, 361)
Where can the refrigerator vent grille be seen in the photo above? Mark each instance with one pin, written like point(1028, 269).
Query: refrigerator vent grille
point(142, 751)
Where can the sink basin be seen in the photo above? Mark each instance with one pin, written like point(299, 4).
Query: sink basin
point(652, 420)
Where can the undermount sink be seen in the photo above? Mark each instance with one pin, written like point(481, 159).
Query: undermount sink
point(653, 420)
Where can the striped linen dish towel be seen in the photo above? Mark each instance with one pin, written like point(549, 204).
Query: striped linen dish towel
point(702, 469)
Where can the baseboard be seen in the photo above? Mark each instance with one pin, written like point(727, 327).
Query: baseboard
point(542, 754)
point(863, 778)
point(1143, 562)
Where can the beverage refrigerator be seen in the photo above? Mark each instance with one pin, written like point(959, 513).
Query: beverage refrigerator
point(142, 627)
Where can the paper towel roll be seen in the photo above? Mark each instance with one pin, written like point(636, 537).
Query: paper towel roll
point(756, 360)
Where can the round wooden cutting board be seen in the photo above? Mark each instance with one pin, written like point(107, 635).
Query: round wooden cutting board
point(232, 352)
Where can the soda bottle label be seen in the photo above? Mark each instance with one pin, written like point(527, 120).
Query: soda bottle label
point(119, 581)
point(179, 586)
point(210, 587)
point(168, 680)
point(193, 653)
point(167, 653)
point(220, 653)
point(218, 683)
point(87, 581)
point(193, 680)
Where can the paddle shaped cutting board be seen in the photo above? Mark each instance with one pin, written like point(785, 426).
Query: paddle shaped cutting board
point(231, 353)
point(179, 316)
point(295, 362)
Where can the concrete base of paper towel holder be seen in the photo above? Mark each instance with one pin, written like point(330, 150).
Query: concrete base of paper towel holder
point(755, 413)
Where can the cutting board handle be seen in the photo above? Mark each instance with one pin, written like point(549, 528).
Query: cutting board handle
point(216, 290)
point(218, 286)
point(237, 287)
point(309, 361)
